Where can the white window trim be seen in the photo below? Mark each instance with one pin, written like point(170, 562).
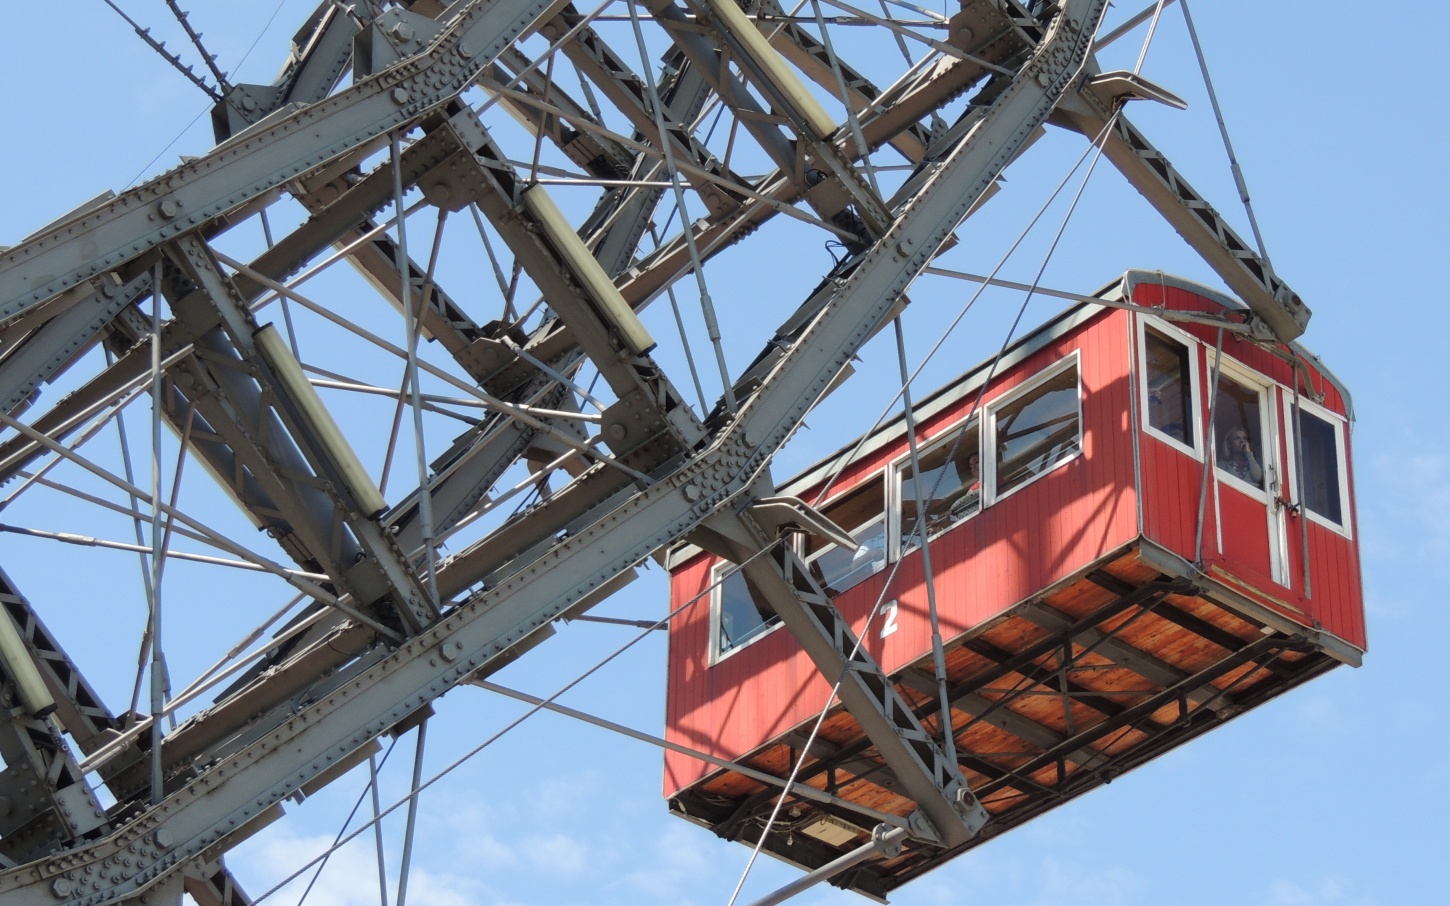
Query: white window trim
point(816, 555)
point(1269, 450)
point(1195, 400)
point(989, 427)
point(1341, 429)
point(894, 546)
point(717, 591)
point(1271, 458)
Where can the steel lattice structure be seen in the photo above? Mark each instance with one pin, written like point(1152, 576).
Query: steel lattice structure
point(465, 109)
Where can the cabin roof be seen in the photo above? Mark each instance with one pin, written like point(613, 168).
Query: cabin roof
point(970, 381)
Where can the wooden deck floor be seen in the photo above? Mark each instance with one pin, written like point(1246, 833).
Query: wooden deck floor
point(1049, 700)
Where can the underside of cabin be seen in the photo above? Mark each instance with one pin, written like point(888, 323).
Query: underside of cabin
point(1124, 660)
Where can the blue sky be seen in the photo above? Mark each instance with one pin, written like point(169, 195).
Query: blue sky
point(1331, 795)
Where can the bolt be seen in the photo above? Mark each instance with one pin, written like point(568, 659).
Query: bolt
point(249, 103)
point(169, 207)
point(400, 95)
point(402, 32)
point(61, 887)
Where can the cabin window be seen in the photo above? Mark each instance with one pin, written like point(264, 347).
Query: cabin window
point(741, 614)
point(1321, 452)
point(1238, 429)
point(862, 513)
point(1169, 382)
point(1036, 428)
point(950, 485)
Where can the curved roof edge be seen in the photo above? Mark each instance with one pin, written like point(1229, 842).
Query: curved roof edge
point(1133, 276)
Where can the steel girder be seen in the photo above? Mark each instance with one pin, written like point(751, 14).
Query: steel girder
point(254, 162)
point(375, 694)
point(231, 766)
point(1278, 311)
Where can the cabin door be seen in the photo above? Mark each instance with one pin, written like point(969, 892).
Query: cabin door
point(1247, 467)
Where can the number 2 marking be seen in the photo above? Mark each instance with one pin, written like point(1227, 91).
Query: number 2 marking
point(889, 626)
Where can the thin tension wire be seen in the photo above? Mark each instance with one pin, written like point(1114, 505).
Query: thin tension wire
point(539, 705)
point(1096, 150)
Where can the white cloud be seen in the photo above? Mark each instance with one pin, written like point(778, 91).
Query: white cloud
point(350, 875)
point(679, 867)
point(1327, 890)
point(1320, 714)
point(1068, 883)
point(1406, 518)
point(557, 853)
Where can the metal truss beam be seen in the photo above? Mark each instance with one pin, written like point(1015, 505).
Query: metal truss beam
point(648, 406)
point(384, 572)
point(244, 167)
point(1278, 311)
point(45, 351)
point(628, 92)
point(918, 763)
point(244, 785)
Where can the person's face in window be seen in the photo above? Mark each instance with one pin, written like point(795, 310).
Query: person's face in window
point(1238, 443)
point(974, 466)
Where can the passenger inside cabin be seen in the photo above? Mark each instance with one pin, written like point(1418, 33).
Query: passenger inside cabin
point(950, 485)
point(1237, 457)
point(971, 499)
point(1237, 425)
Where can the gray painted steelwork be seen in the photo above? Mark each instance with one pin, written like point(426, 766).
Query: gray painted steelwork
point(656, 474)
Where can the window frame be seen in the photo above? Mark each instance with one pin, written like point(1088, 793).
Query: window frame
point(815, 555)
point(896, 548)
point(1340, 424)
point(717, 602)
point(990, 496)
point(882, 515)
point(1195, 377)
point(1269, 453)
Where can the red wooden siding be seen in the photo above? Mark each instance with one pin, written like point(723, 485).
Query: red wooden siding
point(1036, 536)
point(1044, 532)
point(1172, 483)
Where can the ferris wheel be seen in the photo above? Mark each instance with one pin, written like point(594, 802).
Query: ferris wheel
point(625, 253)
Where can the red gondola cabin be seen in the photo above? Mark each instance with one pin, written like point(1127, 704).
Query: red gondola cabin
point(1140, 524)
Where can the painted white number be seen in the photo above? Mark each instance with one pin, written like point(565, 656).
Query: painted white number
point(888, 610)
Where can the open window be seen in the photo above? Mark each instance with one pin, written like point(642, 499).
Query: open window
point(948, 489)
point(1238, 431)
point(1169, 386)
point(1035, 428)
point(740, 614)
point(1320, 466)
point(862, 513)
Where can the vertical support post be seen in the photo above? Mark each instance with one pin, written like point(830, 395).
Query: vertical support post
point(1210, 454)
point(707, 307)
point(1303, 513)
point(412, 814)
point(412, 319)
point(158, 696)
point(378, 831)
point(938, 653)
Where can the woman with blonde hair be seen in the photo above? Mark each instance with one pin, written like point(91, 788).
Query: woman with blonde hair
point(1237, 457)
